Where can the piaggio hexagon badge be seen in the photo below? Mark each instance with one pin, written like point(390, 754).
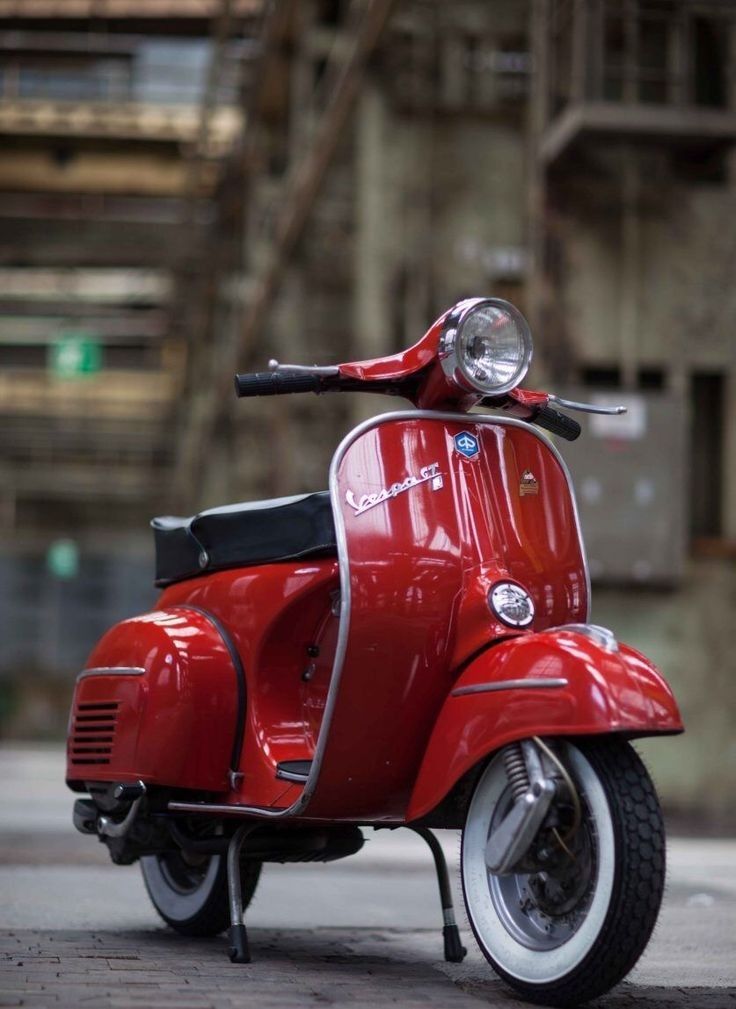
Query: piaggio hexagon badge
point(467, 444)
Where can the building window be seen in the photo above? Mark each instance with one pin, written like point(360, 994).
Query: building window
point(707, 415)
point(608, 376)
point(710, 40)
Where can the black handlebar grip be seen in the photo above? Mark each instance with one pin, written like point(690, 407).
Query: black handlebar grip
point(557, 423)
point(275, 383)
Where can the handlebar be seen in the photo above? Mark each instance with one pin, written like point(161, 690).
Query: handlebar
point(275, 383)
point(282, 382)
point(557, 423)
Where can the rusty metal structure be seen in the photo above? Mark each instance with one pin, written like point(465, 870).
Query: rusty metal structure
point(118, 126)
point(353, 127)
point(571, 155)
point(633, 125)
point(116, 120)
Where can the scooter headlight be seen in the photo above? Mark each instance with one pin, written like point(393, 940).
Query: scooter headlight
point(486, 346)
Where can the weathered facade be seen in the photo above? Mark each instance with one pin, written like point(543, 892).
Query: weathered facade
point(573, 156)
point(576, 158)
point(117, 121)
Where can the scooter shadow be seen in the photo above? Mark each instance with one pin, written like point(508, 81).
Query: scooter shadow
point(625, 996)
point(387, 963)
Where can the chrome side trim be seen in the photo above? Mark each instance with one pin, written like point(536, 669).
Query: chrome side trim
point(548, 683)
point(291, 776)
point(259, 811)
point(112, 671)
point(300, 804)
point(221, 807)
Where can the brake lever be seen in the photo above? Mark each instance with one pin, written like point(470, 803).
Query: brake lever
point(330, 370)
point(570, 404)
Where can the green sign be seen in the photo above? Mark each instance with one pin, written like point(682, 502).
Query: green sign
point(75, 354)
point(62, 559)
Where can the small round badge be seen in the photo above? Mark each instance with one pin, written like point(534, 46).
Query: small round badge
point(511, 603)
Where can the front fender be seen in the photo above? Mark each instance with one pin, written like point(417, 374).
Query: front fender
point(555, 683)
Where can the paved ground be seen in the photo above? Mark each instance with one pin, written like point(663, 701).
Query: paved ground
point(75, 930)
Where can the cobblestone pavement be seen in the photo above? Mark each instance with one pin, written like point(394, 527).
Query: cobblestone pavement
point(363, 969)
point(364, 933)
point(302, 968)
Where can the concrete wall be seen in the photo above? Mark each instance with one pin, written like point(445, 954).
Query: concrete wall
point(686, 299)
point(680, 295)
point(687, 633)
point(409, 220)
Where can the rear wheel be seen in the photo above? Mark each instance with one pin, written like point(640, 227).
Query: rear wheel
point(190, 891)
point(574, 922)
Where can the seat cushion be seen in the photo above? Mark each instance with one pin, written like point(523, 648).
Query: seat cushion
point(239, 535)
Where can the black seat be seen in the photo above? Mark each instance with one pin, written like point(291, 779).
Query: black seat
point(239, 535)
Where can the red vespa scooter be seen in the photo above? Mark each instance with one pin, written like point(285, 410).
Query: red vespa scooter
point(410, 649)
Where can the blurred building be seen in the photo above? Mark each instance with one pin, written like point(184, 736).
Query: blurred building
point(118, 123)
point(574, 156)
point(192, 188)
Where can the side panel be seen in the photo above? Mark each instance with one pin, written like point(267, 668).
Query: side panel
point(574, 687)
point(428, 531)
point(158, 702)
point(274, 614)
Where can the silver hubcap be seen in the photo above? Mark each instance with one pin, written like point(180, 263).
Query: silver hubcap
point(183, 874)
point(543, 909)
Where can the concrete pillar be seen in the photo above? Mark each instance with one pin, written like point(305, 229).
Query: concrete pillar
point(373, 228)
point(731, 68)
point(731, 156)
point(678, 44)
point(729, 433)
point(580, 55)
point(536, 178)
point(631, 58)
point(629, 319)
point(301, 119)
point(8, 502)
point(287, 344)
point(729, 456)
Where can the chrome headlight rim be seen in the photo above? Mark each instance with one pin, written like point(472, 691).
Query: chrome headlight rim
point(452, 361)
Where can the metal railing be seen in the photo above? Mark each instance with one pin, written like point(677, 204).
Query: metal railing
point(113, 81)
point(639, 52)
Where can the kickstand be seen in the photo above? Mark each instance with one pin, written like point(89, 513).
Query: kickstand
point(454, 949)
point(239, 951)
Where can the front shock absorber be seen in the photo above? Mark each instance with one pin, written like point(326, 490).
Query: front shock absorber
point(516, 772)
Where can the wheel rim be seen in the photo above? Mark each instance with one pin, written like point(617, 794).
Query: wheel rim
point(511, 915)
point(178, 890)
point(183, 876)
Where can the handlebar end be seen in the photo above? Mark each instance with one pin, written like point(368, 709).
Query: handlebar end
point(275, 383)
point(557, 423)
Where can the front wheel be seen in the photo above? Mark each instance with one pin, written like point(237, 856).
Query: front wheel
point(575, 918)
point(190, 891)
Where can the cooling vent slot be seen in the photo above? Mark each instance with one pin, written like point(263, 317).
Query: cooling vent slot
point(93, 732)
